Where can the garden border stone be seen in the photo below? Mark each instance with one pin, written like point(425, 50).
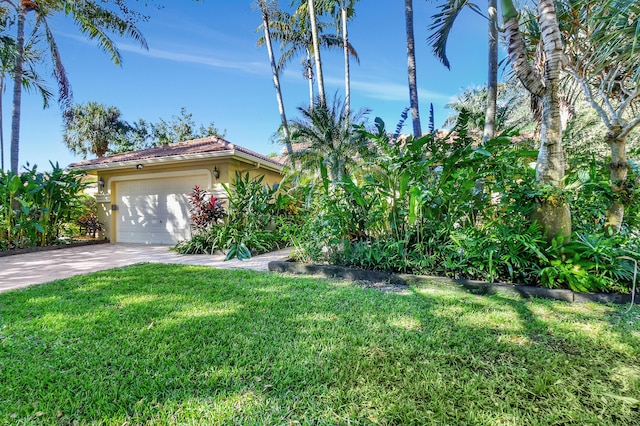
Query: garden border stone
point(476, 287)
point(26, 250)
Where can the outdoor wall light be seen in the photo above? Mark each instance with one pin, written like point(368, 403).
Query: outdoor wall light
point(100, 184)
point(216, 172)
point(139, 166)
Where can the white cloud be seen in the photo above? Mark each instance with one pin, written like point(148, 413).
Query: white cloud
point(387, 91)
point(248, 67)
point(178, 55)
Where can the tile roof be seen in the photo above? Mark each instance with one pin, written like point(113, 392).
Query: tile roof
point(196, 146)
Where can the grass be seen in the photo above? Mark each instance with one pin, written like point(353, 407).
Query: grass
point(168, 344)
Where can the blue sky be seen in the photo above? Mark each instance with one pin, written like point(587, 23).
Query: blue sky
point(203, 56)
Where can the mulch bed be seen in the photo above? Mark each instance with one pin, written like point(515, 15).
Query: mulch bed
point(77, 243)
point(399, 283)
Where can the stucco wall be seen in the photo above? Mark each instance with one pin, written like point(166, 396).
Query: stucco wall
point(225, 167)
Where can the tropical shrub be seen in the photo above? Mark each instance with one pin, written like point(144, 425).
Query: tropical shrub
point(455, 208)
point(590, 263)
point(35, 207)
point(205, 212)
point(261, 218)
point(89, 225)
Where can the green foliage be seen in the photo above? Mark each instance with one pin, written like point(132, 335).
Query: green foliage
point(91, 128)
point(143, 134)
point(454, 208)
point(431, 206)
point(34, 206)
point(250, 225)
point(261, 218)
point(590, 263)
point(326, 141)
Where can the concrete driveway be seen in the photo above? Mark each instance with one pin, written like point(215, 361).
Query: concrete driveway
point(23, 270)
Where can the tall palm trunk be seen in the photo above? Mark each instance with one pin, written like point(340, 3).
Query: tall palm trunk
point(308, 73)
point(492, 81)
point(276, 77)
point(411, 59)
point(316, 51)
point(347, 76)
point(17, 88)
point(553, 213)
point(1, 124)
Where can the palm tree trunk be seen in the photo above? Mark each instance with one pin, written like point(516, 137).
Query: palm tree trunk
point(492, 81)
point(347, 76)
point(411, 59)
point(309, 75)
point(276, 78)
point(316, 51)
point(553, 213)
point(619, 170)
point(1, 124)
point(17, 90)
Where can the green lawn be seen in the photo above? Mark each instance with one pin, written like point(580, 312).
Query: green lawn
point(167, 344)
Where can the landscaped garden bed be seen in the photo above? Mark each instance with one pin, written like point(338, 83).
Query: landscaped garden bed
point(474, 286)
point(62, 245)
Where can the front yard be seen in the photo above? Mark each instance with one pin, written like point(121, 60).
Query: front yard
point(168, 344)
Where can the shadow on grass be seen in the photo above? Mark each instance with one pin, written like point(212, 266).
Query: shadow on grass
point(170, 344)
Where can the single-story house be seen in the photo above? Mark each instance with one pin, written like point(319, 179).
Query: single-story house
point(143, 195)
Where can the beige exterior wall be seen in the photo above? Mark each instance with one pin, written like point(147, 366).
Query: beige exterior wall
point(226, 167)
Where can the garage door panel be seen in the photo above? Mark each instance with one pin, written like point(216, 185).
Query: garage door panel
point(155, 211)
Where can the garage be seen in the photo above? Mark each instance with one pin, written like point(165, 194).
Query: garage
point(155, 211)
point(142, 196)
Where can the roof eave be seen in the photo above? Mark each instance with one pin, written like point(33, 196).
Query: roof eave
point(121, 165)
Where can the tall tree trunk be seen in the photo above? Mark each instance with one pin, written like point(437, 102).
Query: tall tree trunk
point(492, 81)
point(619, 169)
point(553, 213)
point(1, 124)
point(347, 76)
point(316, 51)
point(17, 89)
point(309, 76)
point(411, 59)
point(276, 78)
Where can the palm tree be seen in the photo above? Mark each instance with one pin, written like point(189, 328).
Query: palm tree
point(294, 34)
point(553, 213)
point(94, 21)
point(328, 140)
point(411, 59)
point(307, 9)
point(441, 27)
point(93, 127)
point(267, 8)
point(344, 10)
point(30, 78)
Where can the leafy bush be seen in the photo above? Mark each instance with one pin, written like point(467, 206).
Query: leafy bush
point(35, 207)
point(590, 263)
point(205, 213)
point(455, 208)
point(89, 224)
point(261, 218)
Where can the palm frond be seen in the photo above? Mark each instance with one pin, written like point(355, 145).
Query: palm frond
point(442, 24)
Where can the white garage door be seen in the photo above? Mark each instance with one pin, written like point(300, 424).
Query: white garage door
point(155, 211)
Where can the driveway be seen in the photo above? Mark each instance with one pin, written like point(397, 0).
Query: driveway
point(23, 270)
